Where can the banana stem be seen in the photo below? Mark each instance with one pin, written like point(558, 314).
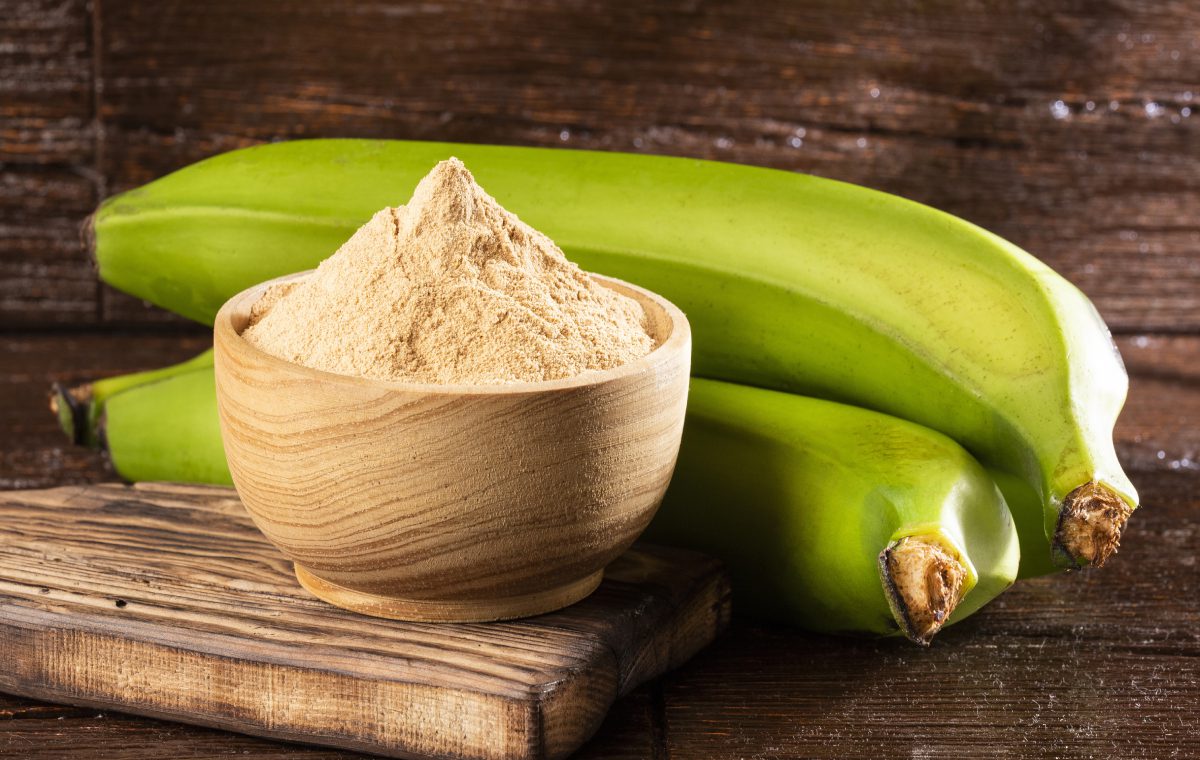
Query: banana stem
point(1090, 525)
point(923, 582)
point(73, 407)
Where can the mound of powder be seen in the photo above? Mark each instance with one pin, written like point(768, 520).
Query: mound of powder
point(451, 288)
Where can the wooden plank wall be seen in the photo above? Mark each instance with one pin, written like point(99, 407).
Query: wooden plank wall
point(1069, 126)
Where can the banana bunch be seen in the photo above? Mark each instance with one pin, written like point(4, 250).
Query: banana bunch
point(791, 283)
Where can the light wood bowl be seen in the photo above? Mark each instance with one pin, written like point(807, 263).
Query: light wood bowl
point(451, 502)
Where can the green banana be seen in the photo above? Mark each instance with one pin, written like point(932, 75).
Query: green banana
point(832, 518)
point(799, 497)
point(790, 282)
point(166, 430)
point(78, 408)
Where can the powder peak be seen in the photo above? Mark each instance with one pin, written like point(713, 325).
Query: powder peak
point(448, 194)
point(450, 288)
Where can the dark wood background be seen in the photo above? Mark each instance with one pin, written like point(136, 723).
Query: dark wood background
point(1069, 127)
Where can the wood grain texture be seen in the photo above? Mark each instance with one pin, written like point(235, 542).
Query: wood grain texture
point(1067, 126)
point(48, 178)
point(165, 600)
point(46, 106)
point(478, 502)
point(1160, 426)
point(114, 736)
point(33, 729)
point(46, 276)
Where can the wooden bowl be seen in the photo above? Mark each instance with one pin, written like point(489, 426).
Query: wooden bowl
point(451, 502)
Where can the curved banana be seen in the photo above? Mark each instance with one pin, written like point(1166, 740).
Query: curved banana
point(836, 518)
point(790, 282)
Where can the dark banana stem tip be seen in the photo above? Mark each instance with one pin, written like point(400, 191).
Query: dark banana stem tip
point(923, 582)
point(1090, 525)
point(71, 406)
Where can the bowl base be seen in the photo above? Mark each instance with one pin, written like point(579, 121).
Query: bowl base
point(456, 611)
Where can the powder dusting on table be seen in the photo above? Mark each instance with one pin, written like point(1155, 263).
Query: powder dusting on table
point(451, 288)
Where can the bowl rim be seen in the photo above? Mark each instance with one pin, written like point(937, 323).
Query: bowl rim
point(677, 341)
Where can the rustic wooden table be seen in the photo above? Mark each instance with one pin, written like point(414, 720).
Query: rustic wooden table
point(1067, 127)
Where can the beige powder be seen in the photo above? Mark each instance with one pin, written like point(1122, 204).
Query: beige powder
point(451, 288)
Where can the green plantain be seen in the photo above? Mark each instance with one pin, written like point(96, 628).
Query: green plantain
point(812, 503)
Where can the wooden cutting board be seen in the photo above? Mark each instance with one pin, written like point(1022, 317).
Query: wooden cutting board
point(164, 600)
